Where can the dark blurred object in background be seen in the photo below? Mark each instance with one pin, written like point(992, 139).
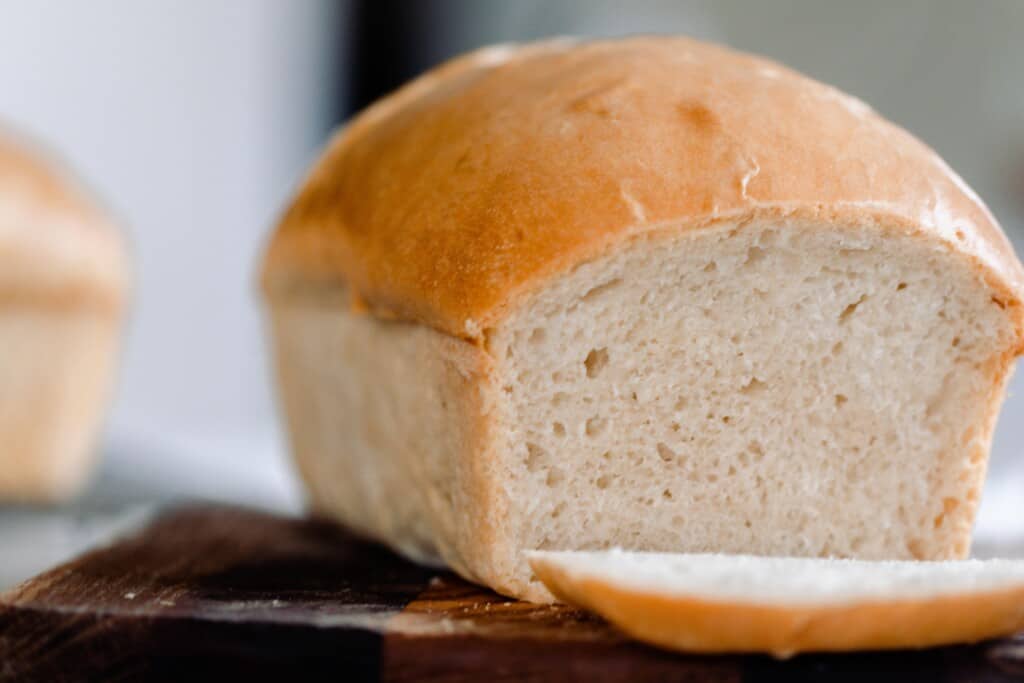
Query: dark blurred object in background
point(388, 46)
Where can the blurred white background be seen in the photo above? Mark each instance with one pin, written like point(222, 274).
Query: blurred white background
point(194, 119)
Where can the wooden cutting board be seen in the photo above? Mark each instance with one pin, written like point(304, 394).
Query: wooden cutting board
point(206, 593)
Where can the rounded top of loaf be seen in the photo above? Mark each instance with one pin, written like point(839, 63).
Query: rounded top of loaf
point(57, 247)
point(447, 200)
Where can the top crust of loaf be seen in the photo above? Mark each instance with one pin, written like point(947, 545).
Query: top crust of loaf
point(58, 249)
point(474, 184)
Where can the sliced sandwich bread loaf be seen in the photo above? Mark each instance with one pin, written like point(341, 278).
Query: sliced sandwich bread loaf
point(648, 293)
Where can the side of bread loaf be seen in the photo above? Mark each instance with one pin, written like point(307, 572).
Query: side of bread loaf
point(403, 412)
point(646, 293)
point(63, 286)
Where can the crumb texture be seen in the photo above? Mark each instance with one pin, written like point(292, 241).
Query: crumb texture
point(776, 389)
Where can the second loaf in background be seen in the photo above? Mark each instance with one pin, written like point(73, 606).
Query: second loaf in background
point(63, 294)
point(649, 293)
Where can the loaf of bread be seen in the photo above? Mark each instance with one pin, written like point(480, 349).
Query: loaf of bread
point(63, 279)
point(786, 605)
point(648, 293)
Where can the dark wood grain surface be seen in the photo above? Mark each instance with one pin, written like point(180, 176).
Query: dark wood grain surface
point(208, 593)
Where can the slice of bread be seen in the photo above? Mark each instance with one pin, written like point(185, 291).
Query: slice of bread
point(785, 605)
point(648, 293)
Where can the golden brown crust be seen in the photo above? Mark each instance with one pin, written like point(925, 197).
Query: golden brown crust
point(691, 625)
point(472, 185)
point(58, 250)
point(72, 296)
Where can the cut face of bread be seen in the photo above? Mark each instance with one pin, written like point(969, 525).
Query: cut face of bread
point(785, 388)
point(782, 606)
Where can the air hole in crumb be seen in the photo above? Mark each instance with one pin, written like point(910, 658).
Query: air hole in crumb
point(596, 361)
point(666, 494)
point(726, 419)
point(607, 455)
point(747, 524)
point(595, 426)
point(675, 426)
point(840, 400)
point(712, 478)
point(849, 310)
point(901, 286)
point(534, 456)
point(680, 403)
point(556, 377)
point(731, 472)
point(538, 335)
point(754, 254)
point(633, 395)
point(960, 235)
point(956, 342)
point(595, 292)
point(916, 548)
point(602, 482)
point(666, 453)
point(558, 428)
point(554, 477)
point(753, 386)
point(558, 399)
point(557, 512)
point(711, 267)
point(837, 348)
point(999, 302)
point(755, 449)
